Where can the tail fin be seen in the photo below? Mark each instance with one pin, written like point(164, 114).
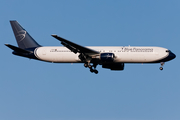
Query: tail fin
point(24, 40)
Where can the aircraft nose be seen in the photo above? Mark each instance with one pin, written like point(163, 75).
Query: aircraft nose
point(172, 55)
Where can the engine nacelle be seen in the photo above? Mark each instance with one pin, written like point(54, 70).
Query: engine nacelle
point(107, 57)
point(114, 66)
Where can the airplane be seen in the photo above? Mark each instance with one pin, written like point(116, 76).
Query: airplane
point(110, 57)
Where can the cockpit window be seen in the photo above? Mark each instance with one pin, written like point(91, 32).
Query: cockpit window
point(168, 51)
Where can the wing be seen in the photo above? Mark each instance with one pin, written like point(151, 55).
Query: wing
point(75, 47)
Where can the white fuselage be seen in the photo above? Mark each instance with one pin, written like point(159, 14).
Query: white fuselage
point(128, 54)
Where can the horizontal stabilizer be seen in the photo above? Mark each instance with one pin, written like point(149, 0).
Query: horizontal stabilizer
point(17, 49)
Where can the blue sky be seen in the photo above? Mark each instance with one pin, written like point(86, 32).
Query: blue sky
point(35, 90)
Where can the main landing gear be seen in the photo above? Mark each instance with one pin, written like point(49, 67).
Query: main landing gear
point(91, 67)
point(162, 63)
point(87, 59)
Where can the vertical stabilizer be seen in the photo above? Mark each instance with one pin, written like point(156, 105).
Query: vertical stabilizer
point(24, 40)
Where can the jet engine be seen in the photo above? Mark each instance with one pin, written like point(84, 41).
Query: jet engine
point(113, 66)
point(107, 57)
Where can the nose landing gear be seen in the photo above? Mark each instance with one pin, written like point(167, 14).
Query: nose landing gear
point(162, 63)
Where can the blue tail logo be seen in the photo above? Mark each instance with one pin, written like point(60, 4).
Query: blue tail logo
point(21, 35)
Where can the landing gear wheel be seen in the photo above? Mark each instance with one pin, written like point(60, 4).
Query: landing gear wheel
point(91, 67)
point(161, 68)
point(162, 63)
point(95, 71)
point(85, 65)
point(91, 70)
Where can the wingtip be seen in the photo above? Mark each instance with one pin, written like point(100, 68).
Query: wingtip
point(6, 44)
point(54, 35)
